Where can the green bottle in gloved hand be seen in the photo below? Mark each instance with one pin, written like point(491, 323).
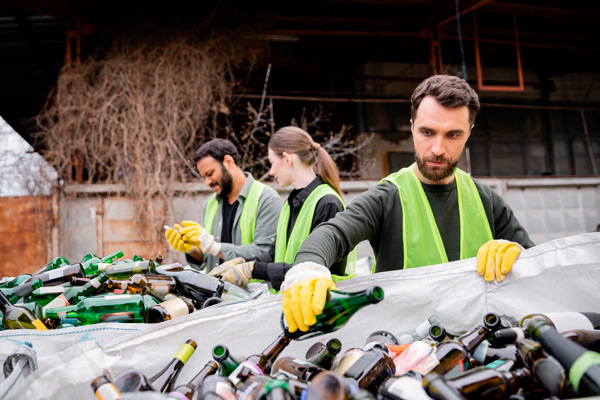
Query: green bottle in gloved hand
point(339, 307)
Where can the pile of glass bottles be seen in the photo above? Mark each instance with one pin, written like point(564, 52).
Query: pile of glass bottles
point(106, 289)
point(501, 359)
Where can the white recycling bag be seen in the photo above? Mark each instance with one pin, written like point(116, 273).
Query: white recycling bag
point(561, 275)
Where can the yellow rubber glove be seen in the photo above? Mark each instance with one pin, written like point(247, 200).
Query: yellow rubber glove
point(496, 258)
point(305, 290)
point(174, 239)
point(195, 234)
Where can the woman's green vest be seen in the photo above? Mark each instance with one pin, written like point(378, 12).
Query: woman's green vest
point(421, 237)
point(285, 250)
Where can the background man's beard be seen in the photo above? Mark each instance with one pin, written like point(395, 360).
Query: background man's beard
point(437, 174)
point(226, 182)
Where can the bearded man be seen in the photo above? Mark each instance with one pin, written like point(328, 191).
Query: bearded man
point(239, 219)
point(428, 213)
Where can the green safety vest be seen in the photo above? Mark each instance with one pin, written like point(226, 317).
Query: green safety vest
point(285, 250)
point(247, 218)
point(421, 237)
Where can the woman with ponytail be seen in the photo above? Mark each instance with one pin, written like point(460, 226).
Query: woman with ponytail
point(315, 198)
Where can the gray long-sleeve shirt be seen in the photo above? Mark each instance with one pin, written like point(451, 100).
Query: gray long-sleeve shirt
point(267, 214)
point(376, 215)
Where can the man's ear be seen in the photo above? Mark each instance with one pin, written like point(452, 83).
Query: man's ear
point(228, 162)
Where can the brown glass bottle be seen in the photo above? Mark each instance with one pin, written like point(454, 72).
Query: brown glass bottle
point(328, 385)
point(169, 309)
point(371, 369)
point(590, 338)
point(295, 368)
point(259, 364)
point(186, 391)
point(488, 383)
point(437, 387)
point(216, 387)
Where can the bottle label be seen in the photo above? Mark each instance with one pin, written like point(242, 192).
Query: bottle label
point(51, 289)
point(408, 387)
point(349, 358)
point(117, 297)
point(567, 321)
point(423, 329)
point(160, 288)
point(116, 317)
point(238, 373)
point(95, 283)
point(39, 325)
point(176, 307)
point(185, 352)
point(107, 392)
point(55, 273)
point(59, 301)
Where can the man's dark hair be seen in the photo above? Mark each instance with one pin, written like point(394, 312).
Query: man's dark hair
point(218, 149)
point(449, 91)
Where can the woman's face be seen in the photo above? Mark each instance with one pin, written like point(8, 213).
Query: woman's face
point(280, 168)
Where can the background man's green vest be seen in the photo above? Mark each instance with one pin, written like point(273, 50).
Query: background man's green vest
point(247, 217)
point(421, 237)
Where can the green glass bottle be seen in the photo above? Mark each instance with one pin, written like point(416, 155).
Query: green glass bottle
point(125, 269)
point(340, 306)
point(11, 283)
point(73, 294)
point(158, 283)
point(322, 354)
point(186, 391)
point(227, 362)
point(15, 317)
point(105, 308)
point(55, 263)
point(164, 380)
point(45, 294)
point(23, 290)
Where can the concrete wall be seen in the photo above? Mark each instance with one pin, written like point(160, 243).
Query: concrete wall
point(93, 222)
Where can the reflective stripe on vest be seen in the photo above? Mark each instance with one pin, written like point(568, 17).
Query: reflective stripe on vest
point(285, 250)
point(421, 237)
point(247, 217)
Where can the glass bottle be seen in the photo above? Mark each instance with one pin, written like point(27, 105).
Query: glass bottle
point(590, 339)
point(133, 381)
point(186, 391)
point(105, 308)
point(227, 363)
point(57, 262)
point(488, 383)
point(586, 377)
point(295, 368)
point(164, 379)
point(350, 356)
point(277, 390)
point(104, 389)
point(23, 290)
point(437, 387)
point(15, 317)
point(340, 306)
point(73, 294)
point(254, 388)
point(259, 364)
point(16, 281)
point(438, 334)
point(406, 386)
point(125, 269)
point(216, 387)
point(566, 321)
point(45, 294)
point(328, 385)
point(158, 283)
point(322, 355)
point(421, 331)
point(371, 369)
point(169, 309)
point(193, 284)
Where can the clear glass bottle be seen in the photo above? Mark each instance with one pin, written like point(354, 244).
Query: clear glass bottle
point(420, 331)
point(158, 283)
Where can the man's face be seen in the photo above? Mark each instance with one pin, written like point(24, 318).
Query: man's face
point(215, 175)
point(439, 135)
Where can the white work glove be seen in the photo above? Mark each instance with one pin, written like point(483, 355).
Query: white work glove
point(305, 290)
point(195, 234)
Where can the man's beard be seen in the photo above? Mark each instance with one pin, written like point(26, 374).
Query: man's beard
point(436, 174)
point(226, 182)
